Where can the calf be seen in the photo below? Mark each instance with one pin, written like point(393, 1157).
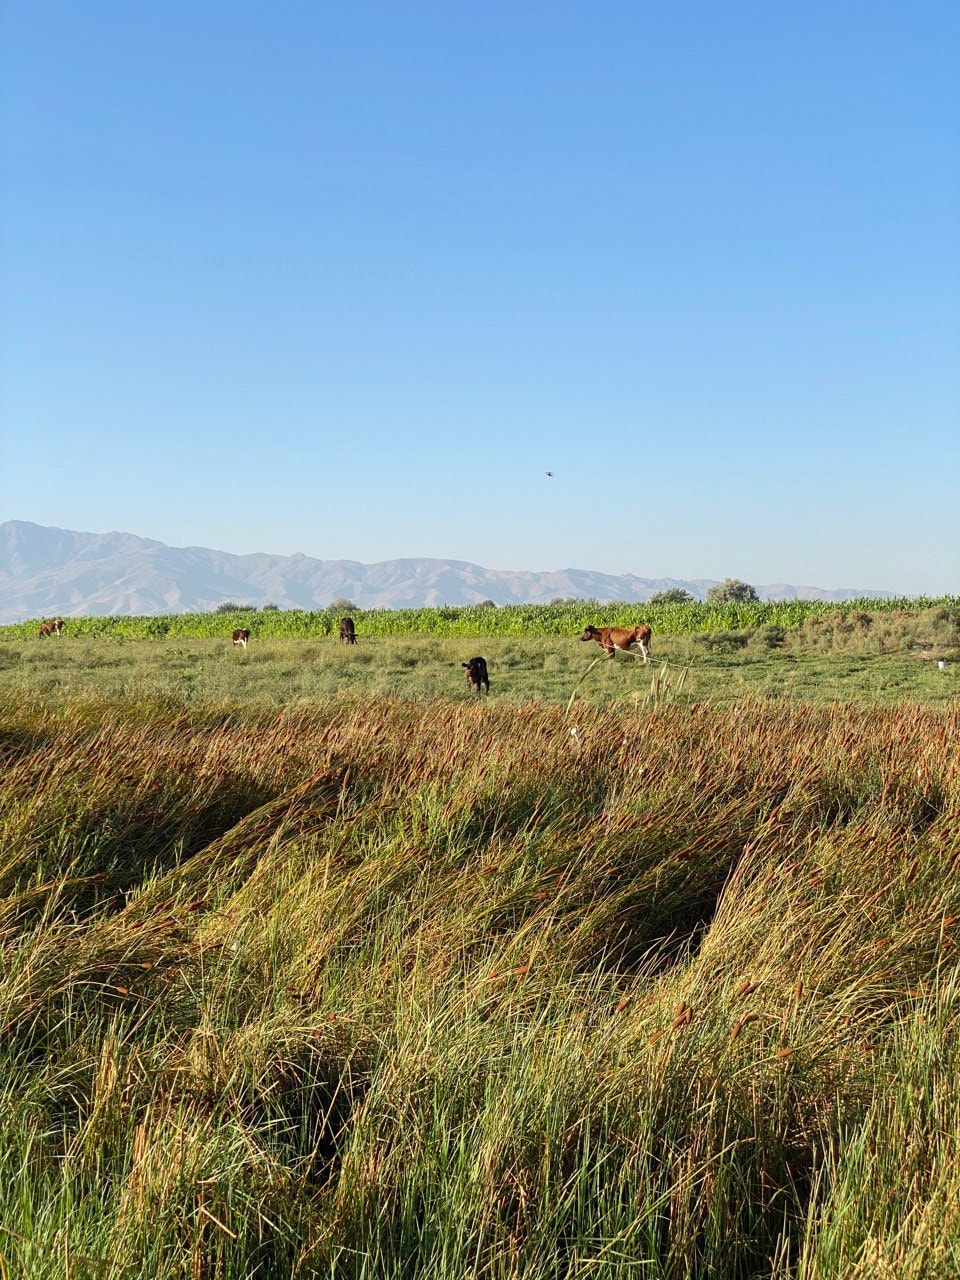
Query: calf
point(477, 674)
point(348, 632)
point(52, 628)
point(613, 638)
point(241, 636)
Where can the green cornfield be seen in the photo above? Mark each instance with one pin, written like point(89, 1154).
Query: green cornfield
point(477, 620)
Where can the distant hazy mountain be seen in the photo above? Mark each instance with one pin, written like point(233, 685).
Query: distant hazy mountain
point(46, 571)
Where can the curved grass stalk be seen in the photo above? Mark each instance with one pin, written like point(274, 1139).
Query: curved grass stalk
point(580, 682)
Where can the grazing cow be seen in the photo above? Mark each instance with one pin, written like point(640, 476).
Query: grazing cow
point(477, 674)
point(348, 632)
point(52, 628)
point(613, 638)
point(241, 636)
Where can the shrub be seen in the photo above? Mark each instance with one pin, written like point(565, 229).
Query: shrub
point(675, 595)
point(933, 632)
point(724, 641)
point(770, 636)
point(732, 591)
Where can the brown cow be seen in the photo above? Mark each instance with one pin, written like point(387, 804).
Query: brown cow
point(613, 638)
point(241, 636)
point(52, 628)
point(348, 632)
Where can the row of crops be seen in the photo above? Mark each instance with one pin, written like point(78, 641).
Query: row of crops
point(481, 620)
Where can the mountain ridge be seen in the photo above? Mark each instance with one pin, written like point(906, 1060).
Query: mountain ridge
point(45, 570)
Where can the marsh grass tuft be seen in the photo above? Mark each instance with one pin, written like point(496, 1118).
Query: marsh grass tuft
point(393, 987)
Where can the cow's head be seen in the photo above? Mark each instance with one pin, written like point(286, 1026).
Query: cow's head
point(590, 633)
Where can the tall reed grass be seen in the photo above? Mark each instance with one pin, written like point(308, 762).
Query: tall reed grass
point(404, 989)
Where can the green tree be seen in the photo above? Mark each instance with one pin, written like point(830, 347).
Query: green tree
point(674, 595)
point(229, 606)
point(732, 591)
point(342, 605)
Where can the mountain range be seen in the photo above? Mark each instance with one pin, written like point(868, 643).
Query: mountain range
point(46, 571)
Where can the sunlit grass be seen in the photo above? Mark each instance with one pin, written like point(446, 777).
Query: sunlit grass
point(277, 672)
point(379, 986)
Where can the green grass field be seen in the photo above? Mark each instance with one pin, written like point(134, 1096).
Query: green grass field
point(310, 966)
point(274, 672)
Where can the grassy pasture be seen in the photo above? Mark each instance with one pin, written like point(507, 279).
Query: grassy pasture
point(416, 988)
point(284, 671)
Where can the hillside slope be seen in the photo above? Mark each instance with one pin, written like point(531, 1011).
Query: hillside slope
point(60, 571)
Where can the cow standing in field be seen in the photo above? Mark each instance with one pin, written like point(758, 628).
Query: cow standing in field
point(52, 628)
point(241, 636)
point(348, 632)
point(477, 674)
point(623, 638)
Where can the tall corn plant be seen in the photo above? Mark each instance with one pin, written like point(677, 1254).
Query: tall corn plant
point(474, 620)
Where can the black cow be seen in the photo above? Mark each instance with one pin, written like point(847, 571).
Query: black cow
point(348, 632)
point(241, 636)
point(477, 673)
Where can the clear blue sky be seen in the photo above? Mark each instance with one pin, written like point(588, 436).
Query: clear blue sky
point(348, 279)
